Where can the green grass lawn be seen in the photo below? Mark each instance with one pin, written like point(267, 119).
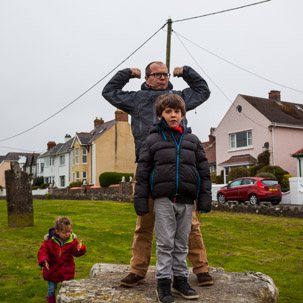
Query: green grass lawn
point(235, 241)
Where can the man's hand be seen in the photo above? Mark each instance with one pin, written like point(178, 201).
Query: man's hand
point(178, 71)
point(46, 265)
point(136, 72)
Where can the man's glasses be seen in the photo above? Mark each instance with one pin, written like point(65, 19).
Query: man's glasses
point(159, 75)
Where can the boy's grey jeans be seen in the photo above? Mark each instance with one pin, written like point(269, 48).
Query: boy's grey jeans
point(172, 228)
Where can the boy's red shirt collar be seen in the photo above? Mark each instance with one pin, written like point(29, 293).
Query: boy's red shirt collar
point(179, 128)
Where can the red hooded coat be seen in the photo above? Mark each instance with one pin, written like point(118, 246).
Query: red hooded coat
point(60, 258)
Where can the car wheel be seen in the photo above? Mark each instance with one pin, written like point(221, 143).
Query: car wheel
point(253, 200)
point(221, 199)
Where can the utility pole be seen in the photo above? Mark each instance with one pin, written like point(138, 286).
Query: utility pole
point(169, 22)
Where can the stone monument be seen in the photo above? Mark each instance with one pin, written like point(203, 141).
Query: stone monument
point(19, 197)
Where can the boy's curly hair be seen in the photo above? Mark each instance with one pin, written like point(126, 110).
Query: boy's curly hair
point(169, 100)
point(60, 222)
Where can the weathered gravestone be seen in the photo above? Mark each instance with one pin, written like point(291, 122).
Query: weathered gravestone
point(103, 285)
point(19, 197)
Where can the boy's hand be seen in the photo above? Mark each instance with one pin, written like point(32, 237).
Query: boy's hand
point(46, 265)
point(79, 245)
point(136, 72)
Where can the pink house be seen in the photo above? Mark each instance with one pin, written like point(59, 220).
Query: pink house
point(252, 125)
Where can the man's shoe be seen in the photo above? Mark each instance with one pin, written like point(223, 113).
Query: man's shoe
point(163, 291)
point(181, 287)
point(205, 279)
point(131, 280)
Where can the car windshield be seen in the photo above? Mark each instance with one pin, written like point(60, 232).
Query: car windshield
point(269, 182)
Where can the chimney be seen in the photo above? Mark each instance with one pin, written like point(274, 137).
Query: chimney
point(274, 95)
point(98, 122)
point(67, 137)
point(50, 144)
point(121, 116)
point(211, 139)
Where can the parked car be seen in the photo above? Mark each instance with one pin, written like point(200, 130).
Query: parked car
point(251, 189)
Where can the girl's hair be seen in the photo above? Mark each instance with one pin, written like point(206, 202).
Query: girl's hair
point(60, 222)
point(169, 100)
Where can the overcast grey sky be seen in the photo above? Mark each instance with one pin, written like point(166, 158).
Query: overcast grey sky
point(54, 51)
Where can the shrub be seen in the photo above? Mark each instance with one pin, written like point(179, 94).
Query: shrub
point(213, 177)
point(237, 172)
point(285, 182)
point(37, 181)
point(277, 171)
point(109, 178)
point(220, 178)
point(35, 187)
point(75, 184)
point(266, 175)
point(252, 170)
point(43, 186)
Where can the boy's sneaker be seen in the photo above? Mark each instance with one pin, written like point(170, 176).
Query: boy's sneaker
point(163, 291)
point(205, 279)
point(131, 280)
point(181, 287)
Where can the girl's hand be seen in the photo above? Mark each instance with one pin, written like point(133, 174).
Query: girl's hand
point(79, 245)
point(46, 265)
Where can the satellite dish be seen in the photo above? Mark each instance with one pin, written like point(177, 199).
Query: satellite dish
point(266, 145)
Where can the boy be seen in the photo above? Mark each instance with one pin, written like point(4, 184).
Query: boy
point(173, 170)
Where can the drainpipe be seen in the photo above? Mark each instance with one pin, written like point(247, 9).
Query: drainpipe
point(300, 172)
point(273, 144)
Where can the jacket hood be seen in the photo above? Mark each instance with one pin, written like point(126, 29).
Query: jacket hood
point(52, 233)
point(144, 86)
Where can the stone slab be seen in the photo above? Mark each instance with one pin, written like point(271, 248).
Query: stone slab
point(103, 285)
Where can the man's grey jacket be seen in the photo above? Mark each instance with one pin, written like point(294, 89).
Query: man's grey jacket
point(140, 105)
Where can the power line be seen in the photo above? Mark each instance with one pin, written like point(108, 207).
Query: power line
point(222, 92)
point(235, 65)
point(220, 12)
point(94, 85)
point(85, 92)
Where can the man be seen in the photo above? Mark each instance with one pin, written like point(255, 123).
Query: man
point(140, 105)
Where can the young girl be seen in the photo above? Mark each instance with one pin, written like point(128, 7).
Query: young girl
point(56, 255)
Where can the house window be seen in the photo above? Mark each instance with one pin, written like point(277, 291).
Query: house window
point(84, 176)
point(77, 175)
point(41, 167)
point(62, 160)
point(77, 156)
point(46, 162)
point(62, 181)
point(84, 155)
point(51, 161)
point(241, 139)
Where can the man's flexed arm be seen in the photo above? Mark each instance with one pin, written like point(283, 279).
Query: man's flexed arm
point(113, 91)
point(198, 91)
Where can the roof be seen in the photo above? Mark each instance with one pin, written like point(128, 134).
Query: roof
point(240, 159)
point(31, 158)
point(298, 153)
point(278, 111)
point(88, 138)
point(60, 148)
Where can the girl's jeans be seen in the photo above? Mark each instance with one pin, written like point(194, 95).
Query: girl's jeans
point(52, 286)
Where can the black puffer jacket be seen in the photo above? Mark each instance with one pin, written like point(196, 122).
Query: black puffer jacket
point(170, 167)
point(141, 104)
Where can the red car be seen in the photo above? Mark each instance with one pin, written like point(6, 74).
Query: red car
point(251, 189)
